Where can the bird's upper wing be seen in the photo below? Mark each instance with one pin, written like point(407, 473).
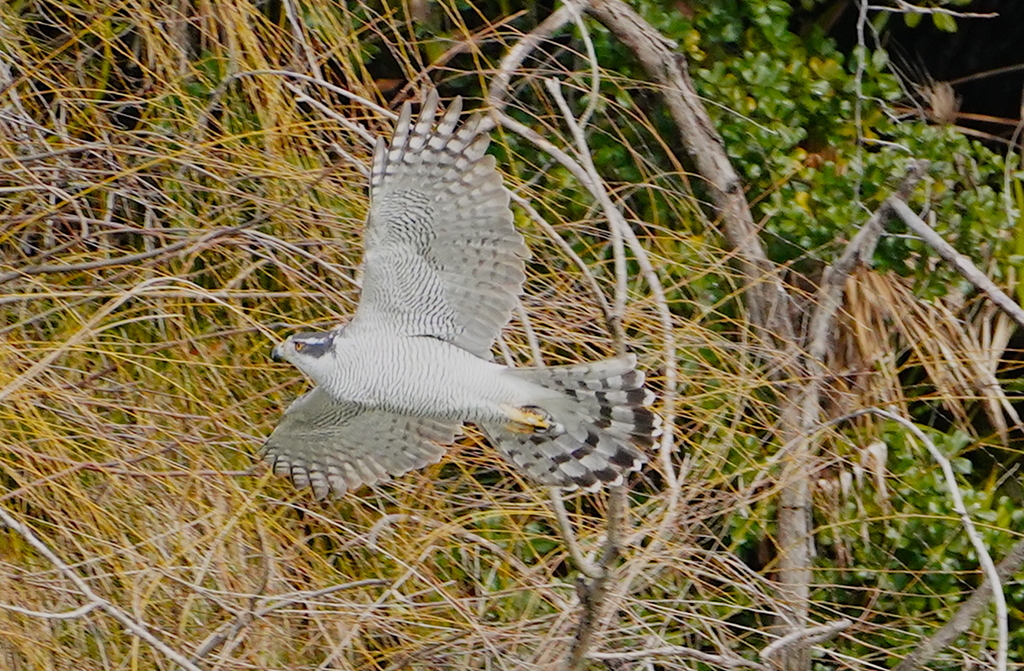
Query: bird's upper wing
point(442, 256)
point(333, 446)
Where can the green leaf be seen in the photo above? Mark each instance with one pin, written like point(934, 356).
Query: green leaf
point(944, 22)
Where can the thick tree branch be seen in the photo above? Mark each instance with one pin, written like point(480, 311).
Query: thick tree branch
point(795, 500)
point(766, 296)
point(860, 250)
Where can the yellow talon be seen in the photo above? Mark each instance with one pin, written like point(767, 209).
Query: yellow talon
point(525, 420)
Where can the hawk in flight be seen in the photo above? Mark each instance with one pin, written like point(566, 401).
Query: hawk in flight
point(443, 268)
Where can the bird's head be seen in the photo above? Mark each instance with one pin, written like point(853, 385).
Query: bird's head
point(309, 352)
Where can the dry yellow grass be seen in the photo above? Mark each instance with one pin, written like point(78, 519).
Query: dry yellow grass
point(148, 265)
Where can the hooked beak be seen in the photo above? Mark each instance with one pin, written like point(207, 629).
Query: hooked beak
point(275, 353)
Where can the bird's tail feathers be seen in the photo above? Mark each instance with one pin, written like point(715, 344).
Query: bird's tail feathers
point(600, 425)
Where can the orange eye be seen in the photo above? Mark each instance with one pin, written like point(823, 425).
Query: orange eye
point(299, 346)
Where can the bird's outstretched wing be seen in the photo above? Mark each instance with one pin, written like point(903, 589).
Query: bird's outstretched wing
point(334, 447)
point(441, 254)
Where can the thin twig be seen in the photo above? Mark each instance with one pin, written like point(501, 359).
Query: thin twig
point(205, 238)
point(63, 615)
point(301, 96)
point(299, 36)
point(588, 275)
point(29, 158)
point(595, 69)
point(229, 630)
point(805, 637)
point(126, 259)
point(618, 248)
point(967, 613)
point(988, 566)
point(680, 652)
point(904, 7)
point(531, 334)
point(366, 102)
point(497, 92)
point(961, 263)
point(565, 526)
point(87, 330)
point(134, 626)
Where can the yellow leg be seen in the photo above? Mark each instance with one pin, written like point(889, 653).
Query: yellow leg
point(525, 420)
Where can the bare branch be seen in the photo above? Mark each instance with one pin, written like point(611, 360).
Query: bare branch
point(618, 250)
point(794, 536)
point(904, 7)
point(965, 616)
point(989, 568)
point(859, 251)
point(64, 615)
point(134, 626)
point(127, 259)
point(963, 265)
point(497, 92)
point(299, 37)
point(680, 652)
point(805, 637)
point(368, 138)
point(229, 630)
point(595, 70)
point(596, 596)
point(565, 526)
point(567, 249)
point(592, 600)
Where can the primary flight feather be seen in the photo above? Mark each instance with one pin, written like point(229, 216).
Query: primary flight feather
point(443, 269)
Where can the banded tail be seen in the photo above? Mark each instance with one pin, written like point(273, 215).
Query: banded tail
point(600, 427)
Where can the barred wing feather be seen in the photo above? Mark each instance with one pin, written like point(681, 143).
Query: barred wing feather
point(442, 256)
point(334, 447)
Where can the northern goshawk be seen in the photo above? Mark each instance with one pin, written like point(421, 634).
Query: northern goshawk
point(443, 268)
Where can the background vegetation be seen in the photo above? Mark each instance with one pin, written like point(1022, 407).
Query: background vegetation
point(179, 187)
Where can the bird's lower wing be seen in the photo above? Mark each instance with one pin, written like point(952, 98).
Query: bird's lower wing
point(334, 447)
